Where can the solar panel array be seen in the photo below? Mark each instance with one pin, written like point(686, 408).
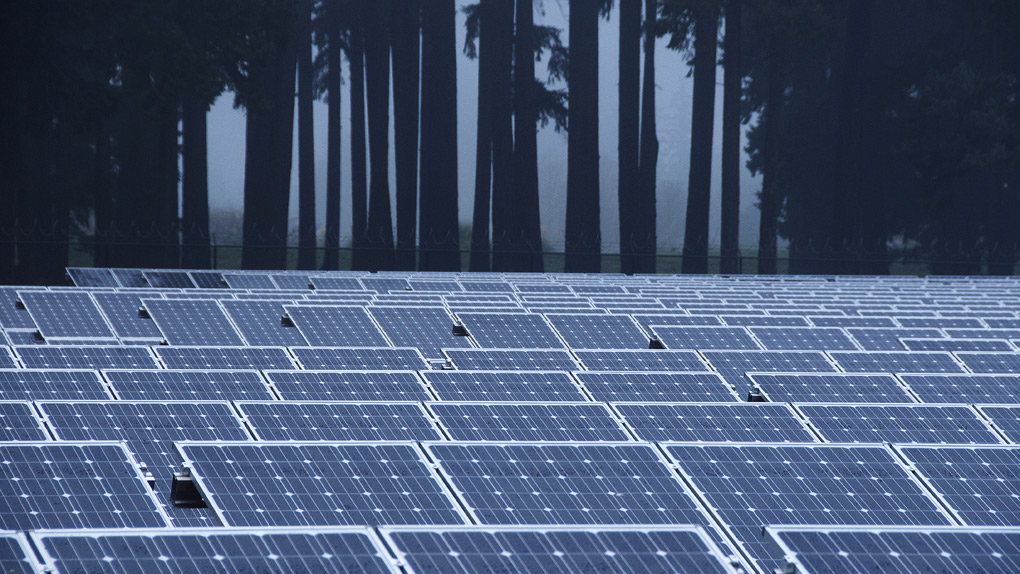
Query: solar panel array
point(416, 422)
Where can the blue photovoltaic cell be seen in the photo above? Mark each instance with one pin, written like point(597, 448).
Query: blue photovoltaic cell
point(192, 322)
point(81, 357)
point(295, 281)
point(66, 315)
point(168, 279)
point(73, 485)
point(430, 329)
point(15, 556)
point(320, 484)
point(359, 359)
point(897, 362)
point(749, 486)
point(19, 423)
point(589, 331)
point(336, 326)
point(259, 323)
point(580, 483)
point(528, 422)
point(208, 279)
point(1003, 323)
point(182, 385)
point(348, 386)
point(249, 281)
point(510, 331)
point(209, 550)
point(647, 360)
point(736, 422)
point(511, 359)
point(673, 337)
point(546, 386)
point(803, 338)
point(983, 333)
point(734, 365)
point(1005, 418)
point(206, 358)
point(11, 317)
point(656, 386)
point(860, 322)
point(32, 385)
point(916, 424)
point(967, 389)
point(672, 319)
point(850, 550)
point(831, 387)
point(336, 421)
point(990, 345)
point(990, 362)
point(91, 277)
point(121, 309)
point(763, 321)
point(939, 323)
point(889, 339)
point(6, 358)
point(980, 483)
point(546, 551)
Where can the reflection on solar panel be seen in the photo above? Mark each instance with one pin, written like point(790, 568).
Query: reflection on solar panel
point(249, 281)
point(834, 387)
point(168, 279)
point(580, 483)
point(259, 323)
point(212, 550)
point(335, 421)
point(336, 326)
point(704, 337)
point(718, 422)
point(130, 277)
point(551, 551)
point(748, 486)
point(992, 345)
point(897, 362)
point(646, 360)
point(355, 359)
point(66, 315)
point(529, 421)
point(90, 277)
point(547, 386)
point(348, 386)
point(898, 424)
point(75, 357)
point(121, 309)
point(384, 284)
point(656, 386)
point(511, 359)
point(181, 385)
point(73, 485)
point(1004, 418)
point(968, 389)
point(224, 357)
point(208, 279)
point(430, 329)
point(18, 422)
point(591, 331)
point(295, 281)
point(734, 365)
point(510, 331)
point(990, 362)
point(979, 483)
point(192, 322)
point(839, 550)
point(338, 283)
point(803, 338)
point(486, 287)
point(319, 484)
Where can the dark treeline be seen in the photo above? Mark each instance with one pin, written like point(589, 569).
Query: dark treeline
point(880, 131)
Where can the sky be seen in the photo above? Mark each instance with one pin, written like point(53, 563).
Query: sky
point(673, 113)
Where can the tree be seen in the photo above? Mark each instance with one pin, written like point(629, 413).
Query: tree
point(645, 246)
point(331, 52)
point(306, 140)
point(733, 77)
point(405, 40)
point(379, 236)
point(481, 15)
point(359, 172)
point(629, 135)
point(507, 224)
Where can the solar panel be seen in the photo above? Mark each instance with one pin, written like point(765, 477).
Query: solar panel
point(990, 362)
point(26, 384)
point(1005, 419)
point(208, 279)
point(848, 322)
point(210, 358)
point(355, 359)
point(486, 286)
point(184, 385)
point(588, 331)
point(430, 329)
point(7, 358)
point(915, 424)
point(510, 331)
point(579, 483)
point(16, 556)
point(1002, 323)
point(552, 550)
point(645, 360)
point(11, 316)
point(18, 422)
point(673, 337)
point(130, 277)
point(319, 484)
point(336, 326)
point(74, 485)
point(889, 339)
point(983, 333)
point(803, 338)
point(715, 422)
point(296, 281)
point(764, 321)
point(168, 279)
point(656, 386)
point(121, 310)
point(940, 323)
point(192, 322)
point(546, 386)
point(748, 486)
point(91, 277)
point(385, 284)
point(831, 387)
point(338, 283)
point(82, 357)
point(848, 549)
point(215, 550)
point(991, 345)
point(511, 359)
point(249, 281)
point(336, 421)
point(896, 362)
point(979, 483)
point(968, 389)
point(519, 421)
point(673, 319)
point(260, 323)
point(734, 365)
point(348, 385)
point(66, 315)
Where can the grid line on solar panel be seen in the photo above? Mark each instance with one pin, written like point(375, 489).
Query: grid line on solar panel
point(351, 549)
point(1005, 419)
point(890, 423)
point(336, 326)
point(673, 337)
point(66, 315)
point(831, 387)
point(980, 362)
point(430, 329)
point(319, 484)
point(715, 422)
point(804, 338)
point(211, 358)
point(747, 486)
point(19, 422)
point(180, 385)
point(511, 359)
point(565, 483)
point(338, 421)
point(556, 550)
point(359, 358)
point(897, 361)
point(259, 322)
point(85, 357)
point(186, 322)
point(74, 485)
point(590, 331)
point(528, 421)
point(955, 344)
point(348, 385)
point(510, 331)
point(648, 386)
point(640, 360)
point(978, 483)
point(544, 386)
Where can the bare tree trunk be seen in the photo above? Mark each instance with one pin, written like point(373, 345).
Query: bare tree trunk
point(732, 84)
point(526, 138)
point(306, 141)
point(771, 173)
point(331, 261)
point(406, 53)
point(504, 198)
point(359, 172)
point(645, 204)
point(629, 131)
point(377, 84)
point(480, 254)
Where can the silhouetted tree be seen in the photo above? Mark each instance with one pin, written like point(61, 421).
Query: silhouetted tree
point(478, 21)
point(359, 172)
point(645, 248)
point(629, 134)
point(733, 77)
point(377, 83)
point(406, 55)
point(331, 43)
point(306, 140)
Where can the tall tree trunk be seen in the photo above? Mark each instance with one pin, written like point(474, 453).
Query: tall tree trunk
point(732, 85)
point(511, 255)
point(480, 256)
point(306, 140)
point(405, 34)
point(699, 186)
point(194, 185)
point(526, 137)
point(439, 238)
point(377, 84)
point(646, 240)
point(359, 171)
point(771, 197)
point(583, 242)
point(331, 261)
point(629, 131)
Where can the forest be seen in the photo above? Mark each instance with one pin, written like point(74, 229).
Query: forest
point(881, 132)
